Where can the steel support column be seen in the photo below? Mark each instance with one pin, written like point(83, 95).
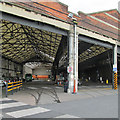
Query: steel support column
point(75, 60)
point(71, 61)
point(115, 67)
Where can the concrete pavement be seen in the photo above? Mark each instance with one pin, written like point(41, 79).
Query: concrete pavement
point(88, 103)
point(99, 107)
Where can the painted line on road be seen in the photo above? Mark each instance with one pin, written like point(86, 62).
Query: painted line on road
point(10, 105)
point(4, 99)
point(1, 116)
point(27, 112)
point(92, 89)
point(93, 93)
point(58, 87)
point(33, 88)
point(67, 116)
point(46, 87)
point(108, 88)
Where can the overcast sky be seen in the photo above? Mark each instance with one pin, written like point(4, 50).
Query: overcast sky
point(90, 6)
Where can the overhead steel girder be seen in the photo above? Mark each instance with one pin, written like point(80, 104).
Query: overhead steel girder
point(95, 41)
point(34, 24)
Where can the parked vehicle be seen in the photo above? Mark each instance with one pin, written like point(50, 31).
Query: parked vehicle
point(28, 77)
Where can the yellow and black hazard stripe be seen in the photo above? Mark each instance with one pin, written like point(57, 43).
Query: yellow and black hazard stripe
point(15, 85)
point(10, 86)
point(18, 84)
point(115, 81)
point(21, 83)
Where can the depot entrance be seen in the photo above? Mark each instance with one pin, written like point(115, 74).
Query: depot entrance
point(97, 70)
point(95, 62)
point(21, 44)
point(24, 43)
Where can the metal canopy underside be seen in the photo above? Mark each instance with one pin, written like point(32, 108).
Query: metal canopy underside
point(93, 51)
point(86, 52)
point(104, 58)
point(21, 43)
point(94, 41)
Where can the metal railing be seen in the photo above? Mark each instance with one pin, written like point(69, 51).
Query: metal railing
point(13, 87)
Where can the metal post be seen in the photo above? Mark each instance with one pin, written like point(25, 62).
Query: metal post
point(6, 88)
point(75, 58)
point(71, 60)
point(115, 67)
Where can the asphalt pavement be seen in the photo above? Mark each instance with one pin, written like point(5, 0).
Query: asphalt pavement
point(89, 102)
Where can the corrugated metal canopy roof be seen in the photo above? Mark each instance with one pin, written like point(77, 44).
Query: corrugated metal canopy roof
point(21, 43)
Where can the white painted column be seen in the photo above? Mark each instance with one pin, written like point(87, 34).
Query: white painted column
point(115, 56)
point(71, 61)
point(115, 67)
point(75, 59)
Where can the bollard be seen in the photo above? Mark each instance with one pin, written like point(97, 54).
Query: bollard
point(107, 81)
point(115, 81)
point(6, 88)
point(74, 91)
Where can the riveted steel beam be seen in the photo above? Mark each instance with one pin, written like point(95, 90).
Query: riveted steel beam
point(95, 41)
point(31, 23)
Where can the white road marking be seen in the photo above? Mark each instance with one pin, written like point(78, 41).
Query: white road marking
point(46, 87)
point(67, 116)
point(58, 87)
point(4, 99)
point(33, 88)
point(105, 92)
point(27, 112)
point(1, 116)
point(10, 105)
